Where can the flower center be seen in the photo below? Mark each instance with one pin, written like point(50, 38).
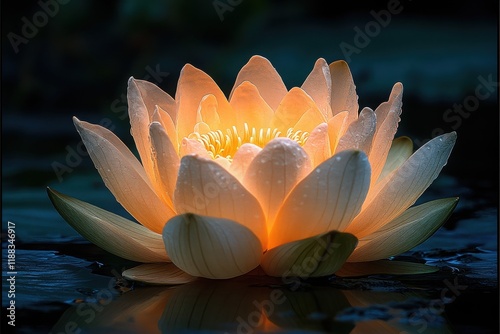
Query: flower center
point(220, 144)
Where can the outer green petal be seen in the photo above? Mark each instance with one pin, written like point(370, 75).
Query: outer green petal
point(211, 247)
point(111, 232)
point(410, 229)
point(312, 257)
point(350, 269)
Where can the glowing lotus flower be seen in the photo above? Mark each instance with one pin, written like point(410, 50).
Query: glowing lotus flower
point(288, 179)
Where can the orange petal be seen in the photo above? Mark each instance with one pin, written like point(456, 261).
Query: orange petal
point(343, 90)
point(206, 188)
point(293, 106)
point(207, 111)
point(166, 121)
point(124, 176)
point(327, 199)
point(318, 86)
point(404, 186)
point(250, 107)
point(211, 247)
point(260, 72)
point(274, 172)
point(310, 120)
point(193, 85)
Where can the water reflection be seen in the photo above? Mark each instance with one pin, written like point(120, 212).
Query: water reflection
point(239, 306)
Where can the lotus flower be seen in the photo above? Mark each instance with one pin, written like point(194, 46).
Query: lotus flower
point(296, 181)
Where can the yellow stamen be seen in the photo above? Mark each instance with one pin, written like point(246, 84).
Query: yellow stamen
point(220, 144)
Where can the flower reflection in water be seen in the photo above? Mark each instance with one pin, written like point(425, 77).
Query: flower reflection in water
point(238, 306)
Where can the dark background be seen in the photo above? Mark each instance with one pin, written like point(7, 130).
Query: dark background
point(77, 63)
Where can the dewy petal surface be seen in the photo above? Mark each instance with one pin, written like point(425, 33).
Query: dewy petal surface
point(206, 188)
point(404, 186)
point(359, 134)
point(312, 257)
point(325, 200)
point(274, 172)
point(410, 229)
point(124, 176)
point(211, 247)
point(111, 232)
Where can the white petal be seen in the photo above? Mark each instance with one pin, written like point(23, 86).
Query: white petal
point(359, 134)
point(124, 176)
point(387, 124)
point(111, 232)
point(403, 187)
point(158, 273)
point(206, 188)
point(410, 229)
point(211, 247)
point(325, 200)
